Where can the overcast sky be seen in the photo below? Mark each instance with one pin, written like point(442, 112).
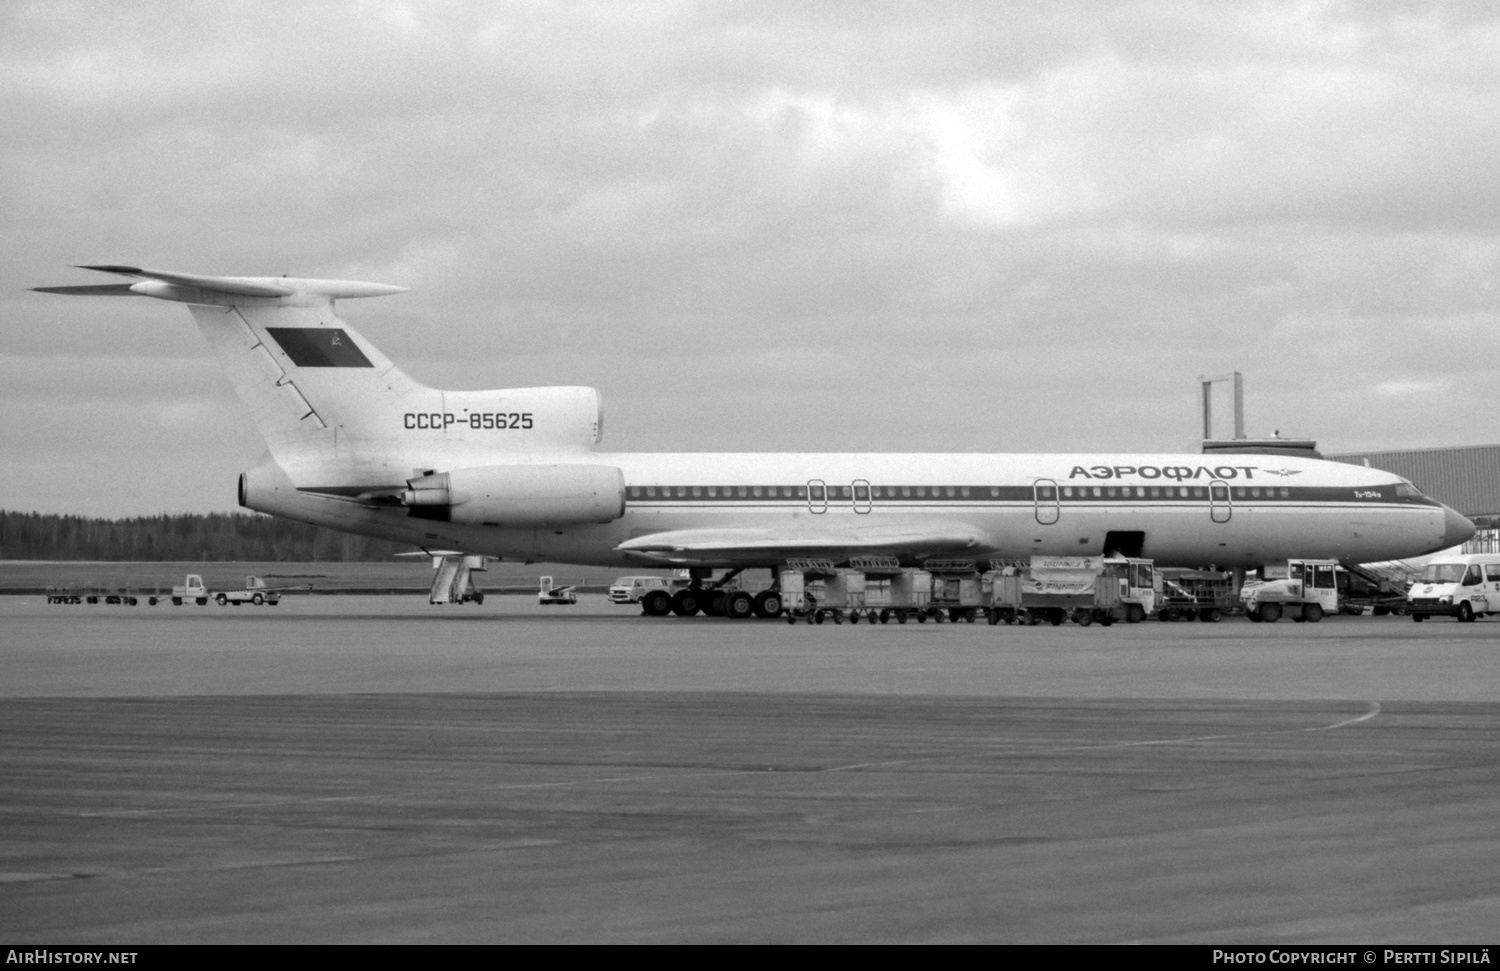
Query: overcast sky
point(928, 226)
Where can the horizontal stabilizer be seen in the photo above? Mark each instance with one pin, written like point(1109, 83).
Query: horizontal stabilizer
point(224, 290)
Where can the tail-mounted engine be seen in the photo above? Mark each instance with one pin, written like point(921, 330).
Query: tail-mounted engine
point(520, 495)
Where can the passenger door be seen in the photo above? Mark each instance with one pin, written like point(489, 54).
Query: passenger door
point(1047, 501)
point(863, 502)
point(817, 496)
point(1220, 506)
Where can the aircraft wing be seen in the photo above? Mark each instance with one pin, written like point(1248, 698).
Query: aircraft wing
point(751, 545)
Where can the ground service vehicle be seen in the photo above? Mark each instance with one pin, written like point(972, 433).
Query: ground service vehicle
point(256, 592)
point(355, 444)
point(1304, 590)
point(550, 594)
point(191, 589)
point(1205, 594)
point(630, 590)
point(1464, 586)
point(1081, 588)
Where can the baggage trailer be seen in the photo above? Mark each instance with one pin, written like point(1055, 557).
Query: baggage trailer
point(957, 588)
point(1207, 595)
point(1005, 594)
point(1058, 587)
point(892, 592)
point(814, 590)
point(1304, 590)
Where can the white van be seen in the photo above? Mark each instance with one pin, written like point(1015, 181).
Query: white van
point(1462, 585)
point(630, 590)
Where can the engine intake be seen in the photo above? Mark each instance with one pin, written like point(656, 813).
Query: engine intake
point(520, 495)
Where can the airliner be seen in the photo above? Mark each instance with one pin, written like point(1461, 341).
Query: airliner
point(355, 444)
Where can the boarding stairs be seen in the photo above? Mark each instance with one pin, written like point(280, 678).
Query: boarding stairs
point(452, 581)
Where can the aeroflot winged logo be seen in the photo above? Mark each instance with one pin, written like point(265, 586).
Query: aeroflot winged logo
point(319, 347)
point(1283, 472)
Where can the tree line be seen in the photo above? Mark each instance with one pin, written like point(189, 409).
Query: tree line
point(215, 536)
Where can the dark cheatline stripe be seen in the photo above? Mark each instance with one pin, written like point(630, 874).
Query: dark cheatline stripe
point(319, 347)
point(974, 494)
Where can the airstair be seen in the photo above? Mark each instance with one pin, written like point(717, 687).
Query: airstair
point(452, 582)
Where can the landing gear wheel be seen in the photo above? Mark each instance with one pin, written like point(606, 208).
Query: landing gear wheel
point(767, 604)
point(686, 603)
point(738, 605)
point(478, 598)
point(657, 603)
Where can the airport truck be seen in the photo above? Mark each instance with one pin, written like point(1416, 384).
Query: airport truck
point(255, 592)
point(1303, 590)
point(1084, 589)
point(191, 590)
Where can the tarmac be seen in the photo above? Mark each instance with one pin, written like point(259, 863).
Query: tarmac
point(375, 769)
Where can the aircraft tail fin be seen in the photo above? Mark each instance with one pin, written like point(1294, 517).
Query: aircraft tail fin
point(302, 370)
point(336, 413)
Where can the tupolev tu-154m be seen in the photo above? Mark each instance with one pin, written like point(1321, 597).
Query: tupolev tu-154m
point(354, 444)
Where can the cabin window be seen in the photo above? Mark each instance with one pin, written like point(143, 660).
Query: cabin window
point(1473, 576)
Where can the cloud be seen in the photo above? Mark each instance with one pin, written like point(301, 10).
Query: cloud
point(889, 225)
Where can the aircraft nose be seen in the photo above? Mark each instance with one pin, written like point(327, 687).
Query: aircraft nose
point(1456, 528)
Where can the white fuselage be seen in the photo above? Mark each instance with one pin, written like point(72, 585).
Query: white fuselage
point(1190, 510)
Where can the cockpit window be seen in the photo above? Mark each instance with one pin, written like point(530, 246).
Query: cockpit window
point(1406, 490)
